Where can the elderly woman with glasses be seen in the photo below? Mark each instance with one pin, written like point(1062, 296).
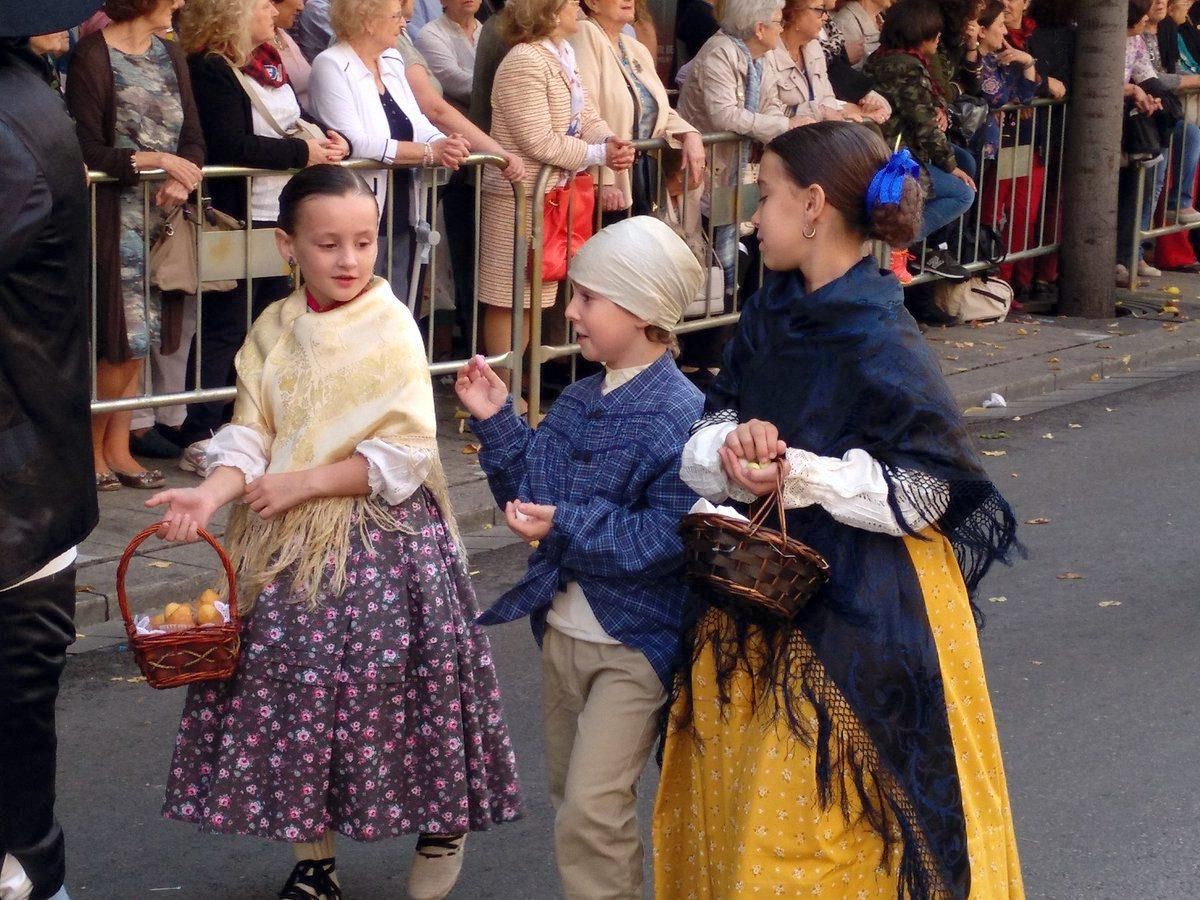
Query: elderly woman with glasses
point(733, 84)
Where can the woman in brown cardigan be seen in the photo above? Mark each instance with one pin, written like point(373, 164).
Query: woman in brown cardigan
point(541, 113)
point(618, 74)
point(131, 97)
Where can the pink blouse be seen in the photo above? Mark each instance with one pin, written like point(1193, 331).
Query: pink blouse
point(297, 67)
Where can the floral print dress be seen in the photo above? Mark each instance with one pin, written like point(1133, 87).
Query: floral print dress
point(149, 118)
point(378, 714)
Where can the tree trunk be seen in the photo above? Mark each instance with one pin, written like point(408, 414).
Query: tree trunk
point(1092, 160)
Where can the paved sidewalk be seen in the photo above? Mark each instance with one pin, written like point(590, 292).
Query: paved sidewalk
point(1020, 359)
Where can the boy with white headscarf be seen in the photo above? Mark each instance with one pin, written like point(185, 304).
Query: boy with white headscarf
point(596, 490)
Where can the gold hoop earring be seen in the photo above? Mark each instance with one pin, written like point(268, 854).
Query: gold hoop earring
point(811, 233)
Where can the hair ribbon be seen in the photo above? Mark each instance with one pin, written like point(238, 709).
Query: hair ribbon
point(887, 186)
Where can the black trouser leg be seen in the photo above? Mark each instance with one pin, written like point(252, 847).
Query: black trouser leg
point(223, 327)
point(36, 626)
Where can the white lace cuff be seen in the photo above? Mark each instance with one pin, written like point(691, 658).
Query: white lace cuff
point(239, 447)
point(394, 473)
point(700, 467)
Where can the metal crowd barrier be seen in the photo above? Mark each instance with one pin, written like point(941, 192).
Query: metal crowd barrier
point(1033, 138)
point(1160, 187)
point(250, 254)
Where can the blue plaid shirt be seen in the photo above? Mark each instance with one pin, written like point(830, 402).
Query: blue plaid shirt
point(610, 464)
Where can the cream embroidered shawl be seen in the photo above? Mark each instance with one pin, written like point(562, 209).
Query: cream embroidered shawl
point(314, 386)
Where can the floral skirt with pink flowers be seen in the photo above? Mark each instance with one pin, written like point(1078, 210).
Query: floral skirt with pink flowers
point(374, 716)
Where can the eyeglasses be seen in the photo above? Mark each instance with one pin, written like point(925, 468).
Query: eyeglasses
point(821, 11)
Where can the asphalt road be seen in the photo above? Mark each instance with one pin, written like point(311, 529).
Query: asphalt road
point(1094, 681)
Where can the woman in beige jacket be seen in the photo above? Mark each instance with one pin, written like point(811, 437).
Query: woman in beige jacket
point(540, 112)
point(618, 74)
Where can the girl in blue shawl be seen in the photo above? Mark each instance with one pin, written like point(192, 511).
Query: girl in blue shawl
point(852, 750)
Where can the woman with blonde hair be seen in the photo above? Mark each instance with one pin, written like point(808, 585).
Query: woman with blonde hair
point(358, 86)
point(542, 113)
point(618, 74)
point(250, 116)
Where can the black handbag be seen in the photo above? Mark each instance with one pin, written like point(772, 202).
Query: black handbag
point(1140, 136)
point(967, 115)
point(981, 243)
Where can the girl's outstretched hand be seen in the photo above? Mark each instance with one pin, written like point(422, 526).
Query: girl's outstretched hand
point(188, 510)
point(529, 521)
point(480, 389)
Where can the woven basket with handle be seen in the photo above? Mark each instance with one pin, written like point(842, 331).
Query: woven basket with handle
point(203, 653)
point(750, 564)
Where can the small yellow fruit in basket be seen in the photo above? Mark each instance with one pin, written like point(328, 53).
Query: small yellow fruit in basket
point(207, 598)
point(207, 614)
point(181, 615)
point(157, 621)
point(171, 608)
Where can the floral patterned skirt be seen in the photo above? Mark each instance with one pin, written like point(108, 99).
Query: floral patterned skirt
point(376, 715)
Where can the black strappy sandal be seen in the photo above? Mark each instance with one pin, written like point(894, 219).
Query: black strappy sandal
point(311, 879)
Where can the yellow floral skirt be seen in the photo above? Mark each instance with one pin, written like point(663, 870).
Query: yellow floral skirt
point(737, 812)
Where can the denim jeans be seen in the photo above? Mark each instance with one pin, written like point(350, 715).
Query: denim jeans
point(1126, 196)
point(1184, 159)
point(948, 199)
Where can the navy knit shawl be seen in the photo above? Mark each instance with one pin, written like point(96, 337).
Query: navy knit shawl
point(846, 367)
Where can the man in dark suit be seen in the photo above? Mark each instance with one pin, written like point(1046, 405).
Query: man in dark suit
point(47, 490)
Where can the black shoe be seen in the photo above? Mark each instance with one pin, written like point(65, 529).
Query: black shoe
point(311, 879)
point(154, 444)
point(943, 264)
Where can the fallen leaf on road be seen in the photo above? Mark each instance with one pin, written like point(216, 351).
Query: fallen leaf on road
point(1095, 376)
point(1170, 326)
point(1022, 331)
point(1170, 310)
point(973, 409)
point(488, 527)
point(1110, 603)
point(1016, 474)
point(1172, 290)
point(473, 572)
point(997, 599)
point(1040, 520)
point(993, 435)
point(1036, 662)
point(1048, 436)
point(79, 635)
point(1016, 418)
point(1054, 360)
point(159, 564)
point(83, 588)
point(1125, 359)
point(1074, 425)
point(950, 357)
point(1104, 346)
point(470, 449)
point(136, 679)
point(995, 453)
point(1069, 576)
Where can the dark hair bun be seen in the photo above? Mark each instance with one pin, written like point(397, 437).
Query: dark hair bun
point(897, 224)
point(324, 180)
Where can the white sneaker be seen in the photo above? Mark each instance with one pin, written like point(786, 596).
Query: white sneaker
point(1189, 215)
point(1122, 275)
point(195, 458)
point(436, 864)
point(1145, 270)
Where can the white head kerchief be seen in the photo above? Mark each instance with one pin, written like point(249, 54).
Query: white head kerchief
point(641, 265)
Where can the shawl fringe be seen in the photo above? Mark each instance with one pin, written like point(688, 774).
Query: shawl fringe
point(786, 673)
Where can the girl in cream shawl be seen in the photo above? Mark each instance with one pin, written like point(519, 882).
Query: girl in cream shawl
point(365, 701)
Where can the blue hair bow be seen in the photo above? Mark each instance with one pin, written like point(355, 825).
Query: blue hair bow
point(887, 187)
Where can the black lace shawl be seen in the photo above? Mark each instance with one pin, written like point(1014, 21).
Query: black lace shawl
point(843, 368)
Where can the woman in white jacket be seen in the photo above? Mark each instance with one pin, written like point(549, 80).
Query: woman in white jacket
point(358, 88)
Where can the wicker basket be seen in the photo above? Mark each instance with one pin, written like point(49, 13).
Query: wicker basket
point(203, 653)
point(750, 564)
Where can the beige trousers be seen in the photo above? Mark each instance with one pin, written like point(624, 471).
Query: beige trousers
point(601, 704)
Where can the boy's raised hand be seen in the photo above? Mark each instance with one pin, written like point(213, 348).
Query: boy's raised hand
point(480, 389)
point(529, 521)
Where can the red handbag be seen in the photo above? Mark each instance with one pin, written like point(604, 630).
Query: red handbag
point(574, 202)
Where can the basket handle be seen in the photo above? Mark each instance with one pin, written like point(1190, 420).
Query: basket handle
point(235, 617)
point(762, 508)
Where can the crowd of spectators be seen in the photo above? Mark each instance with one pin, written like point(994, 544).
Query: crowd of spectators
point(283, 84)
